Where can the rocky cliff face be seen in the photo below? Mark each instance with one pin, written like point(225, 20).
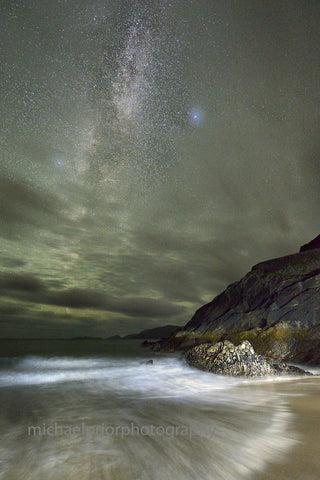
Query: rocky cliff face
point(276, 306)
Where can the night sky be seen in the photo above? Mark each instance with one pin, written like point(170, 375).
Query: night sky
point(151, 153)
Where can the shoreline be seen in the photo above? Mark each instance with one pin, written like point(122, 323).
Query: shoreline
point(302, 460)
point(244, 428)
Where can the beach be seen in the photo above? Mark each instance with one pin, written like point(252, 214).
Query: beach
point(302, 462)
point(117, 415)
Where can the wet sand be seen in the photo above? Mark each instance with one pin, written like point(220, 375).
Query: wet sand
point(242, 429)
point(302, 461)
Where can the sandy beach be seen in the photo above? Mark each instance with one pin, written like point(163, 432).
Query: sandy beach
point(302, 461)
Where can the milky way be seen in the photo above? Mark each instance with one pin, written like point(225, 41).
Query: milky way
point(151, 153)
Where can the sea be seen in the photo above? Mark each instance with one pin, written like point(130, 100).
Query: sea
point(96, 409)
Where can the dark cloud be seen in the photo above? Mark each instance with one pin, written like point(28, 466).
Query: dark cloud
point(78, 298)
point(145, 307)
point(9, 262)
point(134, 306)
point(23, 282)
point(11, 309)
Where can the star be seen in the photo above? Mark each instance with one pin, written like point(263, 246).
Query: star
point(196, 116)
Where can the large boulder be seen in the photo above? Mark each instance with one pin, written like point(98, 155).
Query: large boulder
point(224, 358)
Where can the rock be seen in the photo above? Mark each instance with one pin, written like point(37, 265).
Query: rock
point(315, 243)
point(147, 362)
point(156, 347)
point(147, 343)
point(276, 307)
point(287, 288)
point(224, 358)
point(289, 369)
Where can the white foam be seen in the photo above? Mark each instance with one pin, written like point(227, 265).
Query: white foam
point(237, 427)
point(167, 377)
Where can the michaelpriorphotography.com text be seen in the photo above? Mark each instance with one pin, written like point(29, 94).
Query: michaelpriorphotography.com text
point(100, 430)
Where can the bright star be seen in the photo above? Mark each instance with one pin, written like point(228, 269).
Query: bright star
point(196, 116)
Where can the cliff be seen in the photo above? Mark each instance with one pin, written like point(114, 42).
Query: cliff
point(276, 306)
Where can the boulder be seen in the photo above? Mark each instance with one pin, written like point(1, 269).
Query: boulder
point(225, 358)
point(147, 362)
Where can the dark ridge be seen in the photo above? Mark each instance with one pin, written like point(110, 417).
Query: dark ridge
point(315, 243)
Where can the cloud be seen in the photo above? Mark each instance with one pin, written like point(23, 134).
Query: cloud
point(78, 298)
point(10, 262)
point(21, 282)
point(145, 307)
point(11, 309)
point(28, 288)
point(23, 207)
point(134, 306)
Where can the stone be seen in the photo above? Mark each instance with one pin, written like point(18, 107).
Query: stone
point(147, 343)
point(156, 347)
point(224, 358)
point(147, 362)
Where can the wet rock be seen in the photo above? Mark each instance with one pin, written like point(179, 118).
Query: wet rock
point(225, 358)
point(156, 347)
point(147, 362)
point(289, 369)
point(147, 343)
